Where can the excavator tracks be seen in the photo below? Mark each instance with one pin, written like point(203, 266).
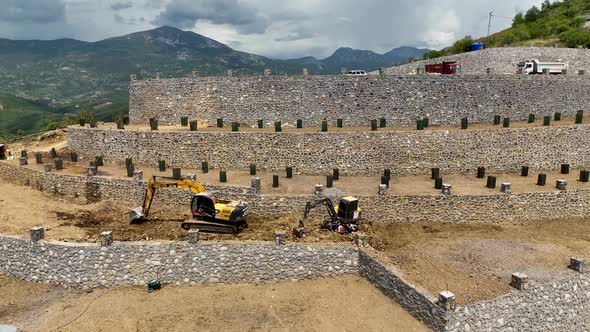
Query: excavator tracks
point(209, 227)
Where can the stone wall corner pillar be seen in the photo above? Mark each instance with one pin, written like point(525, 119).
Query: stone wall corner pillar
point(506, 188)
point(360, 239)
point(193, 236)
point(106, 239)
point(280, 238)
point(519, 281)
point(446, 300)
point(91, 171)
point(137, 176)
point(577, 264)
point(319, 190)
point(447, 189)
point(255, 184)
point(37, 233)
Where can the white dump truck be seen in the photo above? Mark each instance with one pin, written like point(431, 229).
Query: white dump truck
point(536, 67)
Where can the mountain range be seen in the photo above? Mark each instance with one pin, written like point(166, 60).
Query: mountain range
point(74, 76)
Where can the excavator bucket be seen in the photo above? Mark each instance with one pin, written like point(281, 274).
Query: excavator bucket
point(298, 232)
point(136, 215)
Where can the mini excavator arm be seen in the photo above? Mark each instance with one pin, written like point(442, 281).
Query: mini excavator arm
point(327, 202)
point(159, 182)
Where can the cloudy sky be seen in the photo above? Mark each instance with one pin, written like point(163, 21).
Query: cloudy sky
point(273, 28)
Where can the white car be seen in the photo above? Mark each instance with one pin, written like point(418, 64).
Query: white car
point(357, 73)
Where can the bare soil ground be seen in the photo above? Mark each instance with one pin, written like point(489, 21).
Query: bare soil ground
point(22, 207)
point(53, 139)
point(291, 127)
point(342, 304)
point(347, 185)
point(476, 261)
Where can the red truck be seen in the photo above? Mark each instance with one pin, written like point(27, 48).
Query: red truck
point(445, 68)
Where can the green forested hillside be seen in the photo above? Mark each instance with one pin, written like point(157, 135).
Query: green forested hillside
point(20, 116)
point(563, 23)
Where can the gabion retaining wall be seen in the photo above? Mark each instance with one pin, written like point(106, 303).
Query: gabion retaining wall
point(400, 99)
point(491, 208)
point(81, 265)
point(563, 305)
point(354, 153)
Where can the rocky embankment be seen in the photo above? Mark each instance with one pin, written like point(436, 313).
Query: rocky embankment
point(504, 60)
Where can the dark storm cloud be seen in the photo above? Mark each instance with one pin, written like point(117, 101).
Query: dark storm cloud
point(35, 11)
point(121, 5)
point(186, 13)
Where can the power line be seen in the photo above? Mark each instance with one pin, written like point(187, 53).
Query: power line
point(490, 20)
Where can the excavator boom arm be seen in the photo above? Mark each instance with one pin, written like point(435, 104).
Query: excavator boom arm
point(159, 182)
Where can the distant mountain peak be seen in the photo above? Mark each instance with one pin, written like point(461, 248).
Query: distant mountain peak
point(175, 37)
point(347, 57)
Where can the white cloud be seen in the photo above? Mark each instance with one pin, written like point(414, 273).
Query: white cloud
point(266, 27)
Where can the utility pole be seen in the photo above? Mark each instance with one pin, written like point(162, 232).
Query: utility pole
point(490, 22)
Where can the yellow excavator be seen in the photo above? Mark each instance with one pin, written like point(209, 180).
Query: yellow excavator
point(343, 218)
point(4, 153)
point(210, 214)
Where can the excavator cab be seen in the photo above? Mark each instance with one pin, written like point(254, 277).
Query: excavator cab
point(348, 210)
point(203, 206)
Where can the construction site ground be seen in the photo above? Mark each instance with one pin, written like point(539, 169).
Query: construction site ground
point(474, 260)
point(339, 304)
point(352, 185)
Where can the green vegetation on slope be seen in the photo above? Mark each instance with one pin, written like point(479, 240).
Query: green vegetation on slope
point(559, 22)
point(20, 116)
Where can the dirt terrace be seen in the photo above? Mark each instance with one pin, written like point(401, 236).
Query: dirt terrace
point(475, 261)
point(351, 185)
point(291, 127)
point(341, 304)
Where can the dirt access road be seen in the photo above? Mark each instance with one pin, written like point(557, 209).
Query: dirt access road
point(342, 304)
